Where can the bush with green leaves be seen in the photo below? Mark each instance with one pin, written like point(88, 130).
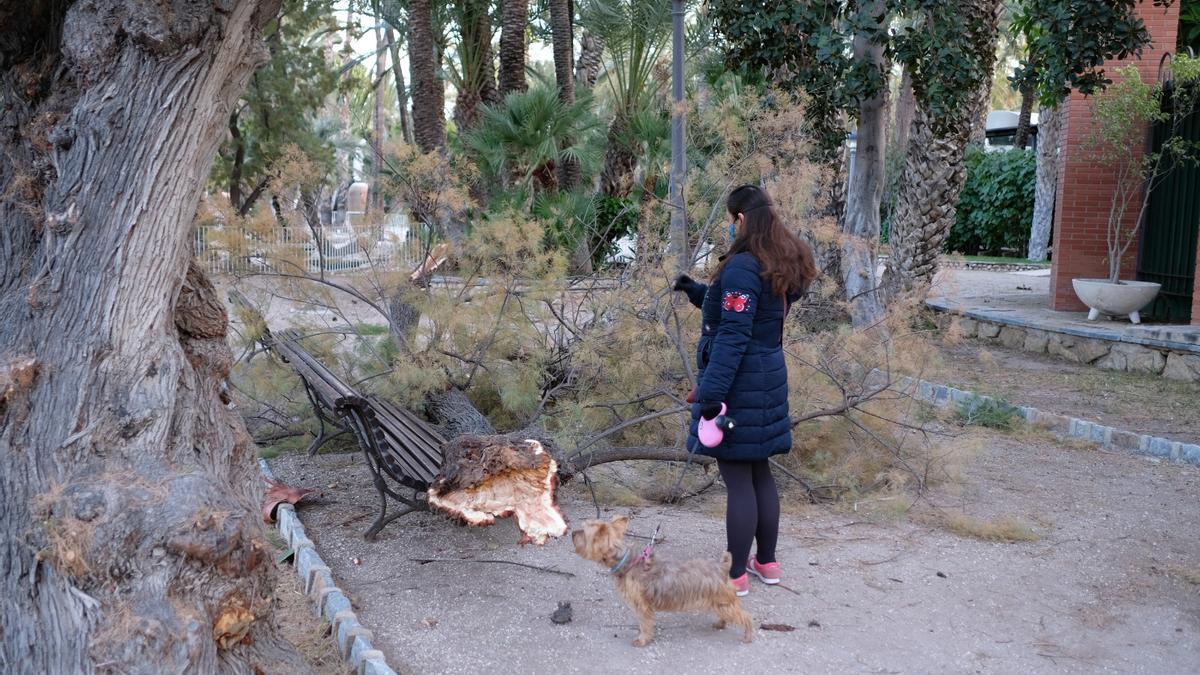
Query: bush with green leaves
point(994, 413)
point(996, 204)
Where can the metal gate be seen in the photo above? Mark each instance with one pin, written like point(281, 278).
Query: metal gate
point(1167, 253)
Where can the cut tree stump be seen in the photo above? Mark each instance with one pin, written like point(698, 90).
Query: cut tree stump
point(488, 477)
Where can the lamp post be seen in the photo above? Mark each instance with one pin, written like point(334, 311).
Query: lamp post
point(678, 234)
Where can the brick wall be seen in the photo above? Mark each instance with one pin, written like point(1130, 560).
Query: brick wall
point(1085, 188)
point(1196, 290)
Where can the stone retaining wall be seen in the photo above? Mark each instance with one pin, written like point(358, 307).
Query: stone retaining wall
point(990, 266)
point(1106, 354)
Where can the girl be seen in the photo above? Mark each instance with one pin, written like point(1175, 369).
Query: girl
point(740, 359)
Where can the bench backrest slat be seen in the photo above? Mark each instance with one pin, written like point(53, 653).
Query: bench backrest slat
point(406, 440)
point(420, 434)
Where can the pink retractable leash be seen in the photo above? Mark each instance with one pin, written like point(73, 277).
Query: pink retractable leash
point(712, 432)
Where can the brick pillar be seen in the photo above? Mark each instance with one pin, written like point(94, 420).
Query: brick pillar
point(1196, 289)
point(1085, 188)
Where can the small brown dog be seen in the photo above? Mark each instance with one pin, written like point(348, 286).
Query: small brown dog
point(649, 585)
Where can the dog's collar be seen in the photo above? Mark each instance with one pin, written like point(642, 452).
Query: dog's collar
point(620, 568)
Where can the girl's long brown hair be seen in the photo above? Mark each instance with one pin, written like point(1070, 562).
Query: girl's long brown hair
point(787, 261)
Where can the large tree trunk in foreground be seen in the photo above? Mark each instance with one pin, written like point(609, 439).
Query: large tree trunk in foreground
point(865, 191)
point(1050, 124)
point(429, 95)
point(513, 22)
point(130, 539)
point(934, 172)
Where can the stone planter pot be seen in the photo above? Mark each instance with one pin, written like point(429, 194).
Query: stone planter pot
point(1105, 297)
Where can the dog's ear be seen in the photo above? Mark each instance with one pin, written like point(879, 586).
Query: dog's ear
point(620, 524)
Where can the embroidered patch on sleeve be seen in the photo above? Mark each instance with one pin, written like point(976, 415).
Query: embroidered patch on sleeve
point(736, 302)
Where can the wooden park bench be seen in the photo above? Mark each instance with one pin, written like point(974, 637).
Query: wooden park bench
point(398, 446)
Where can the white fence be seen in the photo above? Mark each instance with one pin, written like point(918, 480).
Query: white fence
point(222, 250)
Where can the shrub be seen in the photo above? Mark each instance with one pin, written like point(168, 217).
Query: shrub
point(994, 413)
point(995, 207)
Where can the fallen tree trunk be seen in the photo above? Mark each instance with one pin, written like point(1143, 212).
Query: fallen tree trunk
point(488, 477)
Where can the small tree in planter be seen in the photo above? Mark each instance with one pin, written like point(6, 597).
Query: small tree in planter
point(1121, 118)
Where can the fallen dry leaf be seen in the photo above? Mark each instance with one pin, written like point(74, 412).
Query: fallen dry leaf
point(780, 627)
point(278, 493)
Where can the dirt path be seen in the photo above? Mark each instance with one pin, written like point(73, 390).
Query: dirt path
point(1145, 404)
point(1109, 586)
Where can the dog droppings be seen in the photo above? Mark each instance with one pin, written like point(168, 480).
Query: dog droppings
point(563, 614)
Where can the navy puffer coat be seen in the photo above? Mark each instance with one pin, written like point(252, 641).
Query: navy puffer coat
point(740, 359)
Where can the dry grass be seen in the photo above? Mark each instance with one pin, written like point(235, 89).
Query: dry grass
point(1006, 529)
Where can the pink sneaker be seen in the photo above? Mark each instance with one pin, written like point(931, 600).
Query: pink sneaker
point(768, 573)
point(742, 584)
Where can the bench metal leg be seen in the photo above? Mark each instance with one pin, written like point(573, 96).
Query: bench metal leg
point(384, 518)
point(321, 419)
point(409, 505)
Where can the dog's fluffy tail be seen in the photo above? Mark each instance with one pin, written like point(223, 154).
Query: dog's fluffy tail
point(726, 561)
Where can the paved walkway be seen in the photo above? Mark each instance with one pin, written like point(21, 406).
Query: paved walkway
point(1023, 299)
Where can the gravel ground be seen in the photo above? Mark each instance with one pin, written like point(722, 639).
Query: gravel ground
point(1111, 585)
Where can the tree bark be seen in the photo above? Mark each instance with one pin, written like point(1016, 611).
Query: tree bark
point(616, 178)
point(865, 190)
point(401, 88)
point(513, 23)
point(591, 60)
point(934, 172)
point(934, 175)
point(1022, 138)
point(429, 105)
point(376, 203)
point(1050, 124)
point(130, 535)
point(564, 62)
point(906, 110)
point(478, 84)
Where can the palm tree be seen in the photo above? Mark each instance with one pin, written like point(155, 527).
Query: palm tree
point(635, 32)
point(591, 54)
point(513, 20)
point(522, 141)
point(934, 172)
point(564, 61)
point(475, 77)
point(429, 115)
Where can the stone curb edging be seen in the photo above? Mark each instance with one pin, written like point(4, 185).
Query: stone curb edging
point(1112, 438)
point(352, 638)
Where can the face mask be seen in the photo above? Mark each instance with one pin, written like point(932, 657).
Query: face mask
point(732, 231)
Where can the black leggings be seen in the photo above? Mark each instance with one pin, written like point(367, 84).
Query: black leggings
point(751, 513)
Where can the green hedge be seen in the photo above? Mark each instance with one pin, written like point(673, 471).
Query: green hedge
point(996, 205)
